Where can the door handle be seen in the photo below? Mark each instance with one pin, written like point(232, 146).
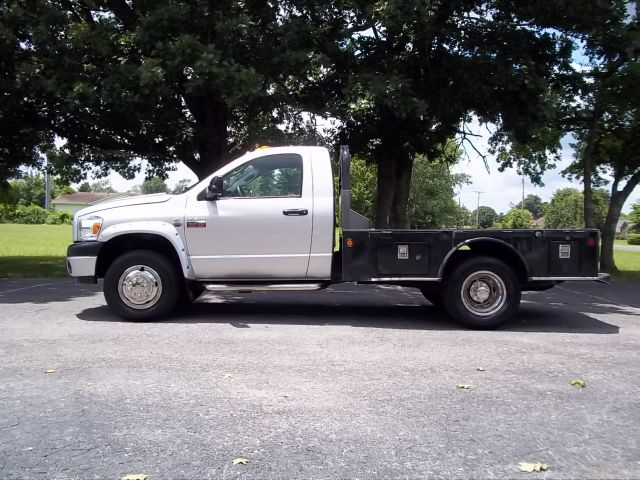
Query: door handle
point(298, 212)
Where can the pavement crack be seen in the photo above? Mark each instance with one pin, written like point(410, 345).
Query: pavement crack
point(9, 426)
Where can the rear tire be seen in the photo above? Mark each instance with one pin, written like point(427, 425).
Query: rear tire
point(141, 285)
point(482, 293)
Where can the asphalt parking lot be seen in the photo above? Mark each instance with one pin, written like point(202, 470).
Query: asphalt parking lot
point(351, 382)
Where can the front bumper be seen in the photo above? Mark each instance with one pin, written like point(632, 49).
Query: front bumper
point(81, 260)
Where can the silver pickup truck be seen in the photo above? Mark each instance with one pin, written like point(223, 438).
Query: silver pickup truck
point(267, 221)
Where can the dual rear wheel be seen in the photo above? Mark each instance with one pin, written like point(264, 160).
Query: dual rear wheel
point(481, 293)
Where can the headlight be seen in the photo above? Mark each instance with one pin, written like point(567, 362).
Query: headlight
point(89, 228)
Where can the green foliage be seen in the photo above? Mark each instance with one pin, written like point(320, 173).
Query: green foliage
point(164, 81)
point(634, 216)
point(363, 187)
point(517, 218)
point(566, 208)
point(29, 189)
point(633, 239)
point(59, 217)
point(534, 204)
point(31, 214)
point(431, 197)
point(200, 81)
point(485, 217)
point(154, 185)
point(101, 186)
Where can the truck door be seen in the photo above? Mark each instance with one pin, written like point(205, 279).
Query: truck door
point(260, 228)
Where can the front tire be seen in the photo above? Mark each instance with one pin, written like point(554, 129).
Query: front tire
point(482, 293)
point(141, 285)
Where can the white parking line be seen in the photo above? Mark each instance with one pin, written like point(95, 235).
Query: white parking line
point(33, 286)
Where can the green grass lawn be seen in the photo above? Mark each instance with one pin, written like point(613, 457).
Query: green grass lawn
point(629, 265)
point(33, 250)
point(40, 250)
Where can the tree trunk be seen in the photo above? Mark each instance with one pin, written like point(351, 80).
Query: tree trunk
point(384, 198)
point(607, 262)
point(394, 180)
point(211, 135)
point(587, 169)
point(402, 184)
point(618, 198)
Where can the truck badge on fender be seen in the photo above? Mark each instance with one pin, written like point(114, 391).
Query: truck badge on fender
point(196, 223)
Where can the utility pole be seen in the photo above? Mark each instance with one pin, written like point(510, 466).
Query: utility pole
point(478, 209)
point(47, 187)
point(522, 204)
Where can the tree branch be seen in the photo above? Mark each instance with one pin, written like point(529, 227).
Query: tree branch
point(123, 12)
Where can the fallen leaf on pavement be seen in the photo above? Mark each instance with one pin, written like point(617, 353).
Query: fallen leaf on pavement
point(480, 369)
point(240, 461)
point(50, 370)
point(579, 383)
point(463, 386)
point(529, 467)
point(227, 375)
point(135, 476)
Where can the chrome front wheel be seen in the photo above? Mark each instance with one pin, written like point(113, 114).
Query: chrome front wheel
point(142, 285)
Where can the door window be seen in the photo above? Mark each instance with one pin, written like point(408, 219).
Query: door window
point(268, 176)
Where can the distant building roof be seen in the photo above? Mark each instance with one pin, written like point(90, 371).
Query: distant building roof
point(538, 222)
point(86, 198)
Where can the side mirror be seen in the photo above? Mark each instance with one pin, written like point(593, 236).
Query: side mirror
point(213, 191)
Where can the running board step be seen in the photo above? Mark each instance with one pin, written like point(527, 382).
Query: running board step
point(274, 287)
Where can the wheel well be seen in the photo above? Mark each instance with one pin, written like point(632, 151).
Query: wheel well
point(135, 241)
point(488, 248)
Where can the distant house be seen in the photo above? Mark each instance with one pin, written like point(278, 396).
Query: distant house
point(76, 201)
point(623, 226)
point(538, 222)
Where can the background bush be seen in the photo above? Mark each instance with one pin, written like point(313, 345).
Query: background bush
point(33, 214)
point(57, 217)
point(633, 239)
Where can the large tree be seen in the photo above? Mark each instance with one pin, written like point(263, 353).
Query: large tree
point(534, 204)
point(164, 81)
point(424, 68)
point(600, 109)
point(484, 217)
point(199, 81)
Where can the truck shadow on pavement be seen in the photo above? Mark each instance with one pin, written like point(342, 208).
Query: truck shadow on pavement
point(244, 312)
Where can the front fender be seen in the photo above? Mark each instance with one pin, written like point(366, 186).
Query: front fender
point(162, 229)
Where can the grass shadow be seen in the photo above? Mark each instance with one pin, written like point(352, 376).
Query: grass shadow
point(33, 267)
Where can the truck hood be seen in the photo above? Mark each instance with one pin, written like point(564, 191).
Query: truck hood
point(125, 202)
